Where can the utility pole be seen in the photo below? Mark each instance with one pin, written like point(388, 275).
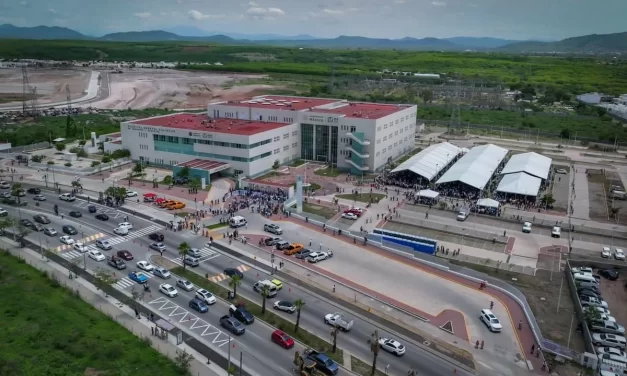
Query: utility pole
point(26, 91)
point(374, 348)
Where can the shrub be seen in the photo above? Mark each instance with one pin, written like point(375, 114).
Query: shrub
point(50, 162)
point(37, 158)
point(95, 163)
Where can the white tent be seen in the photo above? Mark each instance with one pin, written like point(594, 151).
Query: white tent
point(520, 183)
point(488, 202)
point(531, 163)
point(427, 193)
point(476, 167)
point(430, 161)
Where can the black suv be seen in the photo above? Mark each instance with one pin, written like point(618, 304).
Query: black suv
point(241, 314)
point(34, 190)
point(116, 263)
point(232, 325)
point(69, 230)
point(156, 236)
point(75, 214)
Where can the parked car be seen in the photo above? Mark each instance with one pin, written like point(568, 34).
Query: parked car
point(292, 249)
point(587, 301)
point(322, 361)
point(526, 227)
point(610, 274)
point(282, 244)
point(591, 293)
point(34, 190)
point(314, 257)
point(490, 320)
point(619, 254)
point(350, 216)
point(610, 340)
point(271, 241)
point(40, 218)
point(76, 214)
point(606, 252)
point(241, 314)
point(611, 350)
point(303, 253)
point(232, 325)
point(607, 327)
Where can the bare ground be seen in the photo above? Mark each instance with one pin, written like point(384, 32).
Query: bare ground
point(50, 84)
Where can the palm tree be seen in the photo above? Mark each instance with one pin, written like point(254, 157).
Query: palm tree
point(16, 190)
point(374, 348)
point(264, 294)
point(183, 249)
point(334, 331)
point(299, 304)
point(234, 282)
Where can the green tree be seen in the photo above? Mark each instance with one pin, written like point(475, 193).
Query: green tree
point(234, 283)
point(22, 233)
point(426, 95)
point(183, 249)
point(299, 304)
point(103, 280)
point(194, 184)
point(591, 314)
point(37, 158)
point(265, 290)
point(118, 193)
point(184, 172)
point(183, 360)
point(565, 133)
point(547, 200)
point(82, 142)
point(137, 296)
point(334, 331)
point(16, 189)
point(374, 348)
point(138, 168)
point(60, 146)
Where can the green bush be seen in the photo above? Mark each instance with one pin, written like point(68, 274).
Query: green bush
point(95, 163)
point(50, 162)
point(37, 158)
point(106, 159)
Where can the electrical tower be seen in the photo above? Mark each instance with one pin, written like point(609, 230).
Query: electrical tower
point(70, 125)
point(33, 102)
point(331, 76)
point(26, 90)
point(456, 111)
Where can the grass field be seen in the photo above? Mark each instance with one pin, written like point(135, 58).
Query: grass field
point(50, 127)
point(322, 211)
point(363, 197)
point(46, 330)
point(573, 75)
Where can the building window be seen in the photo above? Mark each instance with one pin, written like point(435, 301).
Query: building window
point(295, 133)
point(286, 135)
point(277, 138)
point(277, 151)
point(353, 129)
point(294, 144)
point(378, 129)
point(385, 126)
point(396, 122)
point(378, 140)
point(385, 138)
point(396, 133)
point(286, 148)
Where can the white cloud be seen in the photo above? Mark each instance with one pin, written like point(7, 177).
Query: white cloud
point(253, 4)
point(143, 14)
point(198, 16)
point(52, 10)
point(332, 11)
point(438, 3)
point(265, 12)
point(23, 3)
point(400, 1)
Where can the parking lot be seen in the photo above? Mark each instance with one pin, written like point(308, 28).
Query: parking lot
point(445, 236)
point(560, 189)
point(615, 294)
point(495, 223)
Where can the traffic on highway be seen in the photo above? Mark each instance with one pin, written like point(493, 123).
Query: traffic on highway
point(97, 236)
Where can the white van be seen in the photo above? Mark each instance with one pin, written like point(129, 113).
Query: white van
point(580, 277)
point(619, 195)
point(237, 221)
point(462, 215)
point(272, 290)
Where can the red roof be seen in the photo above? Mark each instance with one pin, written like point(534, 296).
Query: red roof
point(365, 110)
point(202, 164)
point(277, 102)
point(201, 122)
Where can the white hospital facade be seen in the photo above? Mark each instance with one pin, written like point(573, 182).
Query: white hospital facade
point(249, 136)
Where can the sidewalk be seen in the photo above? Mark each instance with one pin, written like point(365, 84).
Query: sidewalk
point(114, 309)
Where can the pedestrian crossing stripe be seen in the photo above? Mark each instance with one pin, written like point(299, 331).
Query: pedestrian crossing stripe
point(132, 234)
point(205, 255)
point(85, 240)
point(221, 277)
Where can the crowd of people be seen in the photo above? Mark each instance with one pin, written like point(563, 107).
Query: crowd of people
point(265, 202)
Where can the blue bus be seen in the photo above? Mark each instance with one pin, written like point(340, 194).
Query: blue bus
point(414, 242)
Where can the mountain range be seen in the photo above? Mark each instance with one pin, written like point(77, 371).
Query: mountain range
point(595, 43)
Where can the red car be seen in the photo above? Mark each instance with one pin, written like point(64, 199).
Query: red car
point(125, 255)
point(282, 339)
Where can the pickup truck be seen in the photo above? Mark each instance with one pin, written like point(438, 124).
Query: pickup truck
point(323, 363)
point(337, 319)
point(116, 263)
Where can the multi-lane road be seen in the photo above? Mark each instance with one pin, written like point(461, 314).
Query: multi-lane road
point(260, 355)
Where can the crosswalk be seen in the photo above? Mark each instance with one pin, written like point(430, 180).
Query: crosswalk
point(221, 277)
point(126, 282)
point(87, 239)
point(132, 234)
point(206, 255)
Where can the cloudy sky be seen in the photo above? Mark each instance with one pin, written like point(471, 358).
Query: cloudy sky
point(512, 19)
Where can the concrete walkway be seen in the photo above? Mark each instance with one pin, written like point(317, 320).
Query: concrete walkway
point(580, 195)
point(116, 310)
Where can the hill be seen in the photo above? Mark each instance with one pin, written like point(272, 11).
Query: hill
point(594, 43)
point(8, 31)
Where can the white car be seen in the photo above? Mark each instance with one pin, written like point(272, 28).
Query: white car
point(392, 346)
point(561, 171)
point(526, 227)
point(128, 225)
point(316, 256)
point(168, 290)
point(606, 252)
point(556, 232)
point(121, 230)
point(349, 216)
point(131, 194)
point(205, 296)
point(619, 254)
point(603, 310)
point(80, 247)
point(3, 213)
point(612, 351)
point(488, 318)
point(96, 255)
point(66, 239)
point(5, 185)
point(185, 284)
point(145, 265)
point(67, 197)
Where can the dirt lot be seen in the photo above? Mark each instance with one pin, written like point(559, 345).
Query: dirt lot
point(168, 88)
point(560, 189)
point(601, 204)
point(615, 294)
point(50, 83)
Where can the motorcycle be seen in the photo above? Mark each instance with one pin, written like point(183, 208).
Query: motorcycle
point(146, 288)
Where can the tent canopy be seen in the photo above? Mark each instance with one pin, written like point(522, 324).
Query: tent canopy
point(520, 183)
point(531, 163)
point(430, 161)
point(488, 202)
point(427, 193)
point(476, 167)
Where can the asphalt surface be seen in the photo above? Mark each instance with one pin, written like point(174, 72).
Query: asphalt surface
point(517, 227)
point(260, 354)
